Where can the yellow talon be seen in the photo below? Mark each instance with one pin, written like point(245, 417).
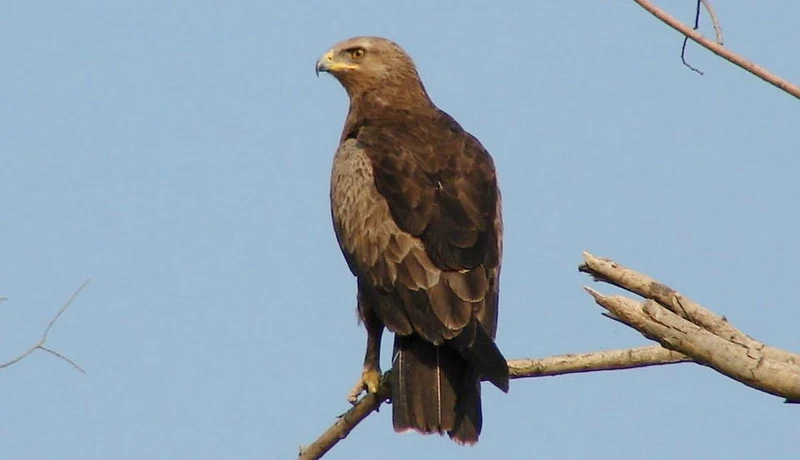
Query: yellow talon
point(370, 382)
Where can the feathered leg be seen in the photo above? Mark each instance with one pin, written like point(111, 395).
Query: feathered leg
point(370, 380)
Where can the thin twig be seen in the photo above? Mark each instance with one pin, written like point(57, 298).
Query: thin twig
point(714, 21)
point(40, 345)
point(686, 40)
point(572, 363)
point(720, 50)
point(59, 355)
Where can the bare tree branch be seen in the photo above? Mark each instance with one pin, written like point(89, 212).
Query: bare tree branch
point(40, 345)
point(609, 360)
point(720, 50)
point(572, 363)
point(610, 272)
point(686, 331)
point(682, 325)
point(346, 422)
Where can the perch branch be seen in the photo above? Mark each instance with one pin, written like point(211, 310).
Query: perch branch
point(682, 325)
point(346, 422)
point(40, 345)
point(519, 368)
point(609, 360)
point(686, 331)
point(720, 50)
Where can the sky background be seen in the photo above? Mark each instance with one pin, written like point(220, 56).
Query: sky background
point(178, 154)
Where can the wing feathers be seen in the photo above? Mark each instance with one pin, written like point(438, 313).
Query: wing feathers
point(470, 285)
point(454, 312)
point(475, 345)
point(416, 271)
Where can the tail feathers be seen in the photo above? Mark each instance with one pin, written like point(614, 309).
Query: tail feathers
point(469, 415)
point(434, 390)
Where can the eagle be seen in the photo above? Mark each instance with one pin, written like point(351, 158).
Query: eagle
point(417, 214)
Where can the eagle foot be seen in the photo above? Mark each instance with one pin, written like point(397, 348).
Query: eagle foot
point(370, 382)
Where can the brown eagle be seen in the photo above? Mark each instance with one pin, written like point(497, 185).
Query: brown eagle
point(416, 210)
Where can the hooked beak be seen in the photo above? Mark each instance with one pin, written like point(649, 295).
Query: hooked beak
point(324, 63)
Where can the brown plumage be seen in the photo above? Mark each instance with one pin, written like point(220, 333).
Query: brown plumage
point(416, 210)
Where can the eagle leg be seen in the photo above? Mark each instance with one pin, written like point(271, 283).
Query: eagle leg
point(370, 380)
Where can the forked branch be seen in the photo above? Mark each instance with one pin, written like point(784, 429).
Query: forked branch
point(682, 325)
point(41, 344)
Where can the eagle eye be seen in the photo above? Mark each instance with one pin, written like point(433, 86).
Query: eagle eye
point(357, 53)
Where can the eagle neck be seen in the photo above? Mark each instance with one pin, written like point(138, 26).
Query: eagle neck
point(383, 103)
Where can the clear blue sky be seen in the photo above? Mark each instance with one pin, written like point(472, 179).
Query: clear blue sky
point(178, 154)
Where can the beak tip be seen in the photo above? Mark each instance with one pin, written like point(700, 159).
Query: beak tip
point(323, 63)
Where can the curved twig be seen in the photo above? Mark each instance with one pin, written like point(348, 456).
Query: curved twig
point(714, 21)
